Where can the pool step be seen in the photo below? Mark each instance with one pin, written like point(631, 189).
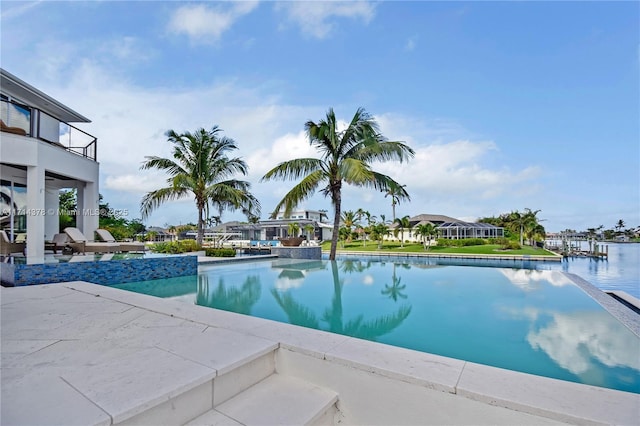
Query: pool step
point(277, 400)
point(192, 402)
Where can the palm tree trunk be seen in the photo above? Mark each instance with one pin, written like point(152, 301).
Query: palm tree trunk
point(521, 234)
point(336, 324)
point(337, 201)
point(200, 226)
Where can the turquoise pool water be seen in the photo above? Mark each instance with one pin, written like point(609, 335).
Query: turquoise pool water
point(533, 321)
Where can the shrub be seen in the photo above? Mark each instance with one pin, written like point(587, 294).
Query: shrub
point(175, 247)
point(472, 242)
point(443, 242)
point(220, 252)
point(511, 245)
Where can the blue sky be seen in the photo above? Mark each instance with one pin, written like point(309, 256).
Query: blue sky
point(509, 105)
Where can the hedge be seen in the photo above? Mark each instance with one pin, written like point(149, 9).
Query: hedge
point(220, 252)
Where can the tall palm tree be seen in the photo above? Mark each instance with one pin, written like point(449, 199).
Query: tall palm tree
point(401, 224)
point(397, 194)
point(201, 167)
point(345, 158)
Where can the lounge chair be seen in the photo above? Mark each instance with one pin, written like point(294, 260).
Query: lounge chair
point(80, 244)
point(106, 236)
point(8, 247)
point(59, 241)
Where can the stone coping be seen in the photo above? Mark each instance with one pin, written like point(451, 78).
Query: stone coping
point(554, 257)
point(551, 398)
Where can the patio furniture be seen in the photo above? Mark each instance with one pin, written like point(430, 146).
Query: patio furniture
point(81, 244)
point(58, 242)
point(9, 247)
point(106, 236)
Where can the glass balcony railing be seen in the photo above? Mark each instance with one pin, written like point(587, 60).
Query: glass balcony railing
point(32, 122)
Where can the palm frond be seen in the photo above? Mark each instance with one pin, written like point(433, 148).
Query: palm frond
point(302, 191)
point(296, 313)
point(383, 151)
point(355, 172)
point(155, 198)
point(377, 327)
point(170, 166)
point(293, 169)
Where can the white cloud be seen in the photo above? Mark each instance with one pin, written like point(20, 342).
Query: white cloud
point(135, 183)
point(130, 123)
point(456, 169)
point(9, 11)
point(317, 18)
point(410, 44)
point(577, 342)
point(528, 279)
point(126, 48)
point(206, 23)
point(287, 147)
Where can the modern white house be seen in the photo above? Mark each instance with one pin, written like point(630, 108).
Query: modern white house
point(40, 154)
point(274, 229)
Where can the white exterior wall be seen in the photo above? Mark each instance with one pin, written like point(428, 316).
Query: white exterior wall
point(42, 200)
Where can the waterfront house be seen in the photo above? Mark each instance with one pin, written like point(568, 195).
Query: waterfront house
point(447, 227)
point(40, 154)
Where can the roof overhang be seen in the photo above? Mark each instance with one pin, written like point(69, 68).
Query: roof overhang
point(28, 94)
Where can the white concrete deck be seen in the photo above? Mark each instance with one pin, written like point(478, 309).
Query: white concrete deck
point(80, 353)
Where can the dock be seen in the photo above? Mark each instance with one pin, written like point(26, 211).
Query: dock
point(574, 248)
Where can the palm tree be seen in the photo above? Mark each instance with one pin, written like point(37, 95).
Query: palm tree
point(620, 225)
point(362, 229)
point(345, 158)
point(294, 230)
point(200, 167)
point(310, 230)
point(522, 222)
point(379, 231)
point(401, 225)
point(348, 220)
point(397, 194)
point(426, 231)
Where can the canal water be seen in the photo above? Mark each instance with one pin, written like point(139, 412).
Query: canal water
point(620, 271)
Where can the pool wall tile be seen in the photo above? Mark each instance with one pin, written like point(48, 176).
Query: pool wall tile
point(100, 272)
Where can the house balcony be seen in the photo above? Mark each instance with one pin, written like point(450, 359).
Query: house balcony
point(32, 122)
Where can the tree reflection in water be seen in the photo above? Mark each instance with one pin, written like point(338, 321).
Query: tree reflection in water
point(239, 300)
point(333, 316)
point(394, 291)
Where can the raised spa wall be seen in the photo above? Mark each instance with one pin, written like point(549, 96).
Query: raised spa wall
point(114, 271)
point(282, 252)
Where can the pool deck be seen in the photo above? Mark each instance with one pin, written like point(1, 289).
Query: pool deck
point(81, 353)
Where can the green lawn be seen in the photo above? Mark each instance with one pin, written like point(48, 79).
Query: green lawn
point(394, 247)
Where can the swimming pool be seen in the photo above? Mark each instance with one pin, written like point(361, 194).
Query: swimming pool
point(533, 321)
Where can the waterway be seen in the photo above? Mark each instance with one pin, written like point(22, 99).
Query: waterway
point(620, 271)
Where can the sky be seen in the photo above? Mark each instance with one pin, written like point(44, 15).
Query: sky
point(508, 105)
